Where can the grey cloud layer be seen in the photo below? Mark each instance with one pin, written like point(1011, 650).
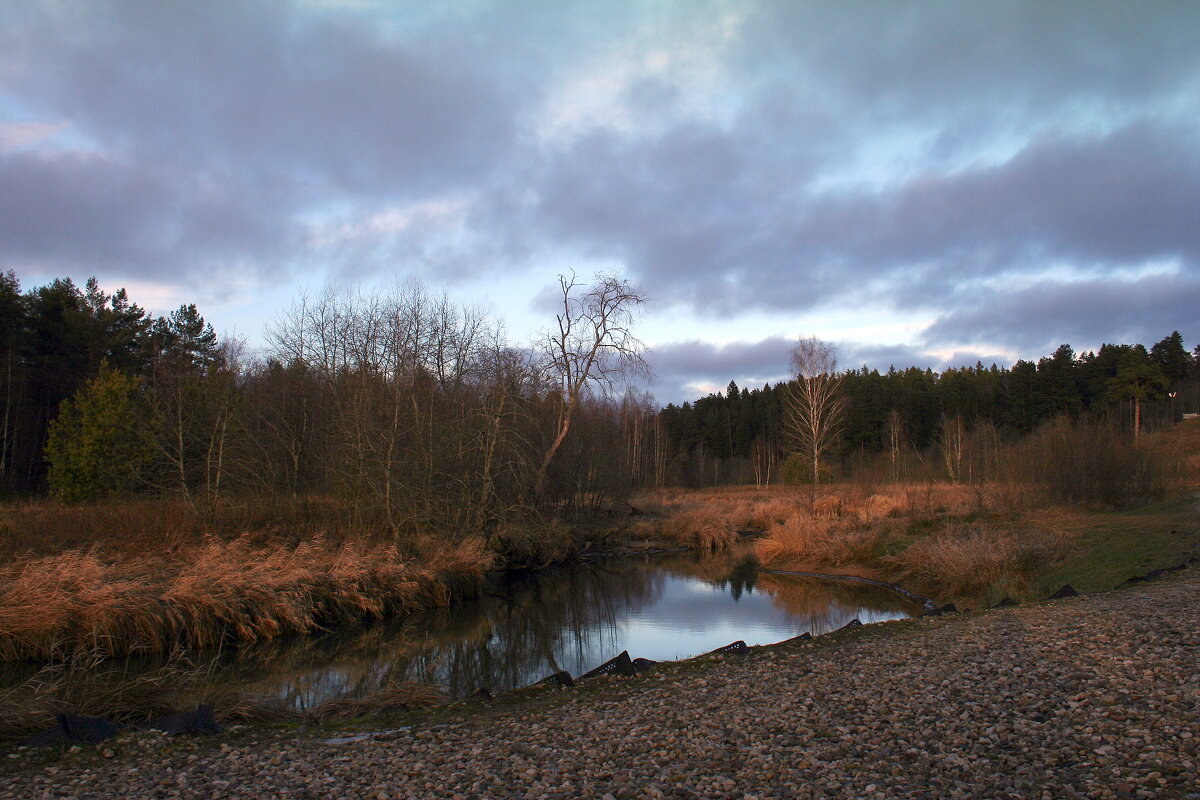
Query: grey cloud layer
point(1014, 137)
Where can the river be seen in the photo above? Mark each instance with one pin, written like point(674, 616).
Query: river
point(530, 625)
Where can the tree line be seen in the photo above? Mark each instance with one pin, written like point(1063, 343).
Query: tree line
point(744, 435)
point(405, 410)
point(410, 412)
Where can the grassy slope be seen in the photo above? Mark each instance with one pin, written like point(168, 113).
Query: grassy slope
point(1113, 547)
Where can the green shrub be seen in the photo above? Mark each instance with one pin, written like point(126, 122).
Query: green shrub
point(93, 446)
point(797, 471)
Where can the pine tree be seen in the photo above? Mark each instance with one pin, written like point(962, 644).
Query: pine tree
point(1171, 358)
point(93, 447)
point(1138, 379)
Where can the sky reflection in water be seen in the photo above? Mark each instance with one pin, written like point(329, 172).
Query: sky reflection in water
point(527, 627)
point(570, 619)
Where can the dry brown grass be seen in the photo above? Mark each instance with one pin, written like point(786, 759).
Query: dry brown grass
point(701, 529)
point(33, 528)
point(1185, 437)
point(748, 508)
point(966, 559)
point(219, 591)
point(710, 519)
point(909, 532)
point(814, 540)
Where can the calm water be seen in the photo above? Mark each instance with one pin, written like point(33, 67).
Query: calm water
point(570, 618)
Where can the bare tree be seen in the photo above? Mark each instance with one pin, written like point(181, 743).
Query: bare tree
point(896, 440)
point(814, 407)
point(953, 445)
point(592, 347)
point(763, 455)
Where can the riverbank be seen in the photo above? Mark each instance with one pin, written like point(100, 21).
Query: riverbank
point(954, 543)
point(1095, 696)
point(1017, 535)
point(94, 604)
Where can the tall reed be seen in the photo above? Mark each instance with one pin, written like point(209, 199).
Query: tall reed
point(218, 592)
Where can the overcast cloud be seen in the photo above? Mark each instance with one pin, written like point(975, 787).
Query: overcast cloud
point(979, 179)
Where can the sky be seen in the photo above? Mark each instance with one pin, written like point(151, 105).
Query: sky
point(926, 183)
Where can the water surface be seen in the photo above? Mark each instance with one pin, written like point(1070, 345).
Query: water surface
point(568, 618)
point(528, 626)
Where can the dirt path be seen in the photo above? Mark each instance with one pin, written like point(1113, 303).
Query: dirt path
point(1095, 697)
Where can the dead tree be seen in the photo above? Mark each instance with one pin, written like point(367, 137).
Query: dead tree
point(592, 347)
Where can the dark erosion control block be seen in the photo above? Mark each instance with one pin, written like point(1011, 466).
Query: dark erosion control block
point(621, 665)
point(73, 729)
point(1066, 591)
point(1007, 602)
point(734, 648)
point(200, 721)
point(557, 679)
point(854, 623)
point(949, 608)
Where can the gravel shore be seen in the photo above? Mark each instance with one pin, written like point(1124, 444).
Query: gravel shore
point(1093, 697)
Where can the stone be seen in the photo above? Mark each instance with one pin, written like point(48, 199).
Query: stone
point(201, 721)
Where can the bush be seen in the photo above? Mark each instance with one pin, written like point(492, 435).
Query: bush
point(966, 559)
point(797, 471)
point(92, 446)
point(1092, 463)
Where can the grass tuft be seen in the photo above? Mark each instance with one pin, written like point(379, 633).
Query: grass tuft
point(219, 592)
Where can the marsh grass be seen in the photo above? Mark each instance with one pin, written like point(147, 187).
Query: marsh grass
point(817, 540)
point(968, 558)
point(218, 592)
point(943, 537)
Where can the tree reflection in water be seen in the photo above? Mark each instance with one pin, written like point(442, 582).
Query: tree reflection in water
point(568, 618)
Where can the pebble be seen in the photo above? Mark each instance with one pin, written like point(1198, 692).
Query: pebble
point(1096, 698)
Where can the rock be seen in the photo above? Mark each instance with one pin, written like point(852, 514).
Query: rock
point(201, 721)
point(1007, 602)
point(1095, 698)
